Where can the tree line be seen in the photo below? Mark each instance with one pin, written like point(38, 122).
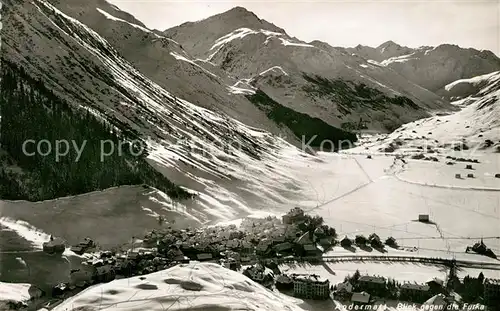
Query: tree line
point(30, 111)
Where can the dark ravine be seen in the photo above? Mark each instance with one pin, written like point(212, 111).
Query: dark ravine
point(304, 127)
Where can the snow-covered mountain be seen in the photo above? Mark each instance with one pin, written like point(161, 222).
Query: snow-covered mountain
point(431, 67)
point(207, 98)
point(475, 128)
point(470, 87)
point(312, 78)
point(233, 168)
point(384, 51)
point(165, 61)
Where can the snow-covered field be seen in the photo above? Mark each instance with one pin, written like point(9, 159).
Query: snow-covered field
point(444, 175)
point(473, 126)
point(390, 207)
point(401, 272)
point(195, 286)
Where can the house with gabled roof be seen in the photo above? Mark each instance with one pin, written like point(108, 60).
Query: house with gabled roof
point(362, 298)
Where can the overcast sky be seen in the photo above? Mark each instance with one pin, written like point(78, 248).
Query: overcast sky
point(467, 23)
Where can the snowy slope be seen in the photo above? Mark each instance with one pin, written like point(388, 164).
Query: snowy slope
point(477, 122)
point(16, 292)
point(467, 87)
point(444, 63)
point(235, 169)
point(194, 286)
point(246, 46)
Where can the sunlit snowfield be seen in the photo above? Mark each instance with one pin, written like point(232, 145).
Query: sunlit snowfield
point(390, 201)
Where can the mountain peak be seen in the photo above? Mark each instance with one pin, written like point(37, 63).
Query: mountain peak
point(239, 11)
point(387, 44)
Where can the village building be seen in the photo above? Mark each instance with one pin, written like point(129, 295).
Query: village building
point(492, 292)
point(278, 239)
point(423, 218)
point(260, 274)
point(311, 250)
point(311, 287)
point(294, 215)
point(291, 232)
point(246, 247)
point(391, 242)
point(124, 266)
point(415, 292)
point(283, 248)
point(77, 249)
point(54, 246)
point(82, 277)
point(372, 284)
point(232, 244)
point(204, 256)
point(344, 290)
point(325, 242)
point(319, 232)
point(436, 286)
point(345, 287)
point(230, 264)
point(59, 289)
point(346, 242)
point(284, 282)
point(305, 239)
point(362, 298)
point(83, 246)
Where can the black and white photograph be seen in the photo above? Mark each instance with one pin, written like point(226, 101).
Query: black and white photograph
point(230, 155)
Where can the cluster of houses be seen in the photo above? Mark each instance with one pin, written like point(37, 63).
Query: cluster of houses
point(311, 287)
point(373, 240)
point(84, 246)
point(306, 286)
point(261, 243)
point(255, 238)
point(363, 290)
point(58, 246)
point(109, 266)
point(260, 274)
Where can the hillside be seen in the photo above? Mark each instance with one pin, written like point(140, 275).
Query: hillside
point(472, 130)
point(258, 55)
point(230, 167)
point(431, 67)
point(265, 92)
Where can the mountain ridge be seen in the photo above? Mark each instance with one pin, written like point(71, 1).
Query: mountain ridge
point(245, 53)
point(203, 126)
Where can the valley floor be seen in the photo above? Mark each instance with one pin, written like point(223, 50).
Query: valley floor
point(353, 194)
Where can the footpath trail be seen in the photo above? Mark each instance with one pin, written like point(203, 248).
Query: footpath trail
point(369, 182)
